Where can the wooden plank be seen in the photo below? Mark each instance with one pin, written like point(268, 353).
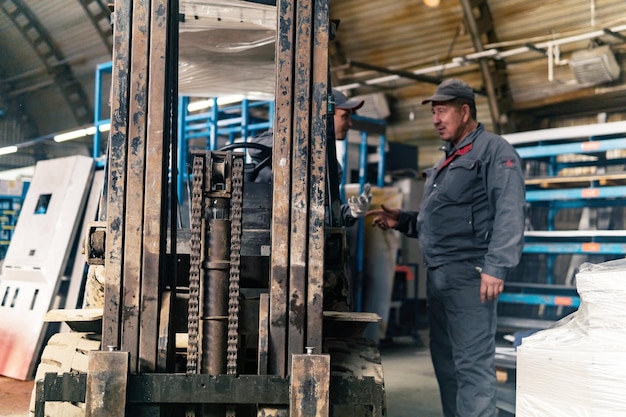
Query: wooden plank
point(317, 196)
point(81, 314)
point(116, 176)
point(136, 171)
point(300, 179)
point(155, 191)
point(281, 170)
point(310, 386)
point(106, 384)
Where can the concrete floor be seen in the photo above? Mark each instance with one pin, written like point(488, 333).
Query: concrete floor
point(14, 397)
point(410, 383)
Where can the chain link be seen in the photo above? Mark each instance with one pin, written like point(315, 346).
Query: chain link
point(195, 264)
point(235, 260)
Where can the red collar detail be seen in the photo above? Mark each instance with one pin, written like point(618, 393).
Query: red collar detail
point(461, 151)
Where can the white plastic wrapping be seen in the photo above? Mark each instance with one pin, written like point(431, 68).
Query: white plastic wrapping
point(578, 367)
point(227, 48)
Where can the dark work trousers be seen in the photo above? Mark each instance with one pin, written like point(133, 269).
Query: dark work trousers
point(462, 340)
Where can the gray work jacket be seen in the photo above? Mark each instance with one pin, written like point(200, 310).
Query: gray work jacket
point(473, 206)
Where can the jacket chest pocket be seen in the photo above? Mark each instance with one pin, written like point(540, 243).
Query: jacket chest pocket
point(461, 180)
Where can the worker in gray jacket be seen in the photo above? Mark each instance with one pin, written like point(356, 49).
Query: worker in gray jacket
point(471, 228)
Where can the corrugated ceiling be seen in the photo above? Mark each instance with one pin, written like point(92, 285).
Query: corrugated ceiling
point(401, 35)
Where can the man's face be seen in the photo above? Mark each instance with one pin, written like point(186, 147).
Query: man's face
point(450, 120)
point(342, 123)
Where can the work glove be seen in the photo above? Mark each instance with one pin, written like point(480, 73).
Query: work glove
point(359, 205)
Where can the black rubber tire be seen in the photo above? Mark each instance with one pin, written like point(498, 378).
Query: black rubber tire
point(354, 359)
point(65, 352)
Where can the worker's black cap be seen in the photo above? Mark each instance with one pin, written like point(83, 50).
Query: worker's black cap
point(451, 89)
point(342, 102)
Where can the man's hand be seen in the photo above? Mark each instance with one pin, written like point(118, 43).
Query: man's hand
point(490, 287)
point(359, 205)
point(385, 218)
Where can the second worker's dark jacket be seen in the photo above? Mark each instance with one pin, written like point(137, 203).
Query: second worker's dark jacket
point(473, 206)
point(265, 175)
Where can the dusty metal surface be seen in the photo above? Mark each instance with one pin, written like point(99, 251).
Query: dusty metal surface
point(300, 181)
point(263, 343)
point(159, 156)
point(206, 389)
point(136, 209)
point(94, 245)
point(281, 170)
point(116, 196)
point(106, 384)
point(318, 176)
point(299, 159)
point(361, 392)
point(310, 385)
point(135, 173)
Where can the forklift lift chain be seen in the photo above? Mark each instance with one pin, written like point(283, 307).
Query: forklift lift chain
point(235, 260)
point(197, 204)
point(194, 268)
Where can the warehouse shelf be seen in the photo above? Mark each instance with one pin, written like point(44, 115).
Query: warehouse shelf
point(209, 128)
point(576, 193)
point(219, 125)
point(11, 199)
point(541, 294)
point(578, 180)
point(574, 172)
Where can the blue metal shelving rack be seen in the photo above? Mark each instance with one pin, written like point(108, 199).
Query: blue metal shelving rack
point(219, 126)
point(10, 206)
point(553, 192)
point(209, 129)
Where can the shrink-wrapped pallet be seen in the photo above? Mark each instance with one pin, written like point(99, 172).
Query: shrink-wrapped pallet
point(578, 367)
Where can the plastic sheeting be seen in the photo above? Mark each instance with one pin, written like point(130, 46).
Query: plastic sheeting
point(578, 367)
point(227, 48)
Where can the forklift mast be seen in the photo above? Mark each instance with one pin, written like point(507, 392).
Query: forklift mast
point(143, 146)
point(137, 371)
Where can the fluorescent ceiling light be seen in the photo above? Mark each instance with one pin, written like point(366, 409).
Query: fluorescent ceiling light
point(7, 150)
point(74, 134)
point(206, 104)
point(81, 133)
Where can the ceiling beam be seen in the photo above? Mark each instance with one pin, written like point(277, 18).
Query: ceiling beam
point(100, 15)
point(480, 25)
point(45, 47)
